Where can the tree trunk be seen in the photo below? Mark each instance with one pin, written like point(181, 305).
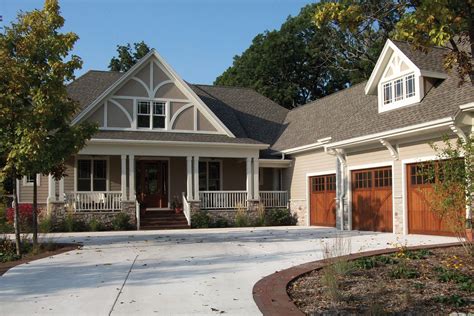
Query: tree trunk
point(35, 211)
point(16, 222)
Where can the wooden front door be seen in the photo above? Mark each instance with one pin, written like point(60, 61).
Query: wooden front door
point(323, 200)
point(421, 219)
point(152, 183)
point(372, 199)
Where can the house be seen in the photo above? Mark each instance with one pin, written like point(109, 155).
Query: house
point(348, 160)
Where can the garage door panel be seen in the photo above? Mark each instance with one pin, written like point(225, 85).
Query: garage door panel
point(421, 219)
point(322, 200)
point(372, 199)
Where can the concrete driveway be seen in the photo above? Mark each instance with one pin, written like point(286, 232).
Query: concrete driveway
point(193, 272)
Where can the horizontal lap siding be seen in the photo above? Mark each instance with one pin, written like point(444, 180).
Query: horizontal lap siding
point(26, 192)
point(177, 181)
point(115, 173)
point(294, 178)
point(368, 157)
point(69, 178)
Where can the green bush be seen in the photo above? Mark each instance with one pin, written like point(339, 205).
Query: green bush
point(280, 217)
point(95, 225)
point(241, 219)
point(401, 271)
point(7, 250)
point(46, 225)
point(71, 224)
point(220, 223)
point(200, 220)
point(121, 222)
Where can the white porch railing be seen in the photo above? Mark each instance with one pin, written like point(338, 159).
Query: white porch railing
point(94, 201)
point(186, 209)
point(274, 198)
point(221, 200)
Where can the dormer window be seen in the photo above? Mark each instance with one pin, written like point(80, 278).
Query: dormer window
point(399, 89)
point(151, 114)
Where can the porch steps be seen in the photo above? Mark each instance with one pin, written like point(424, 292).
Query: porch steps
point(165, 219)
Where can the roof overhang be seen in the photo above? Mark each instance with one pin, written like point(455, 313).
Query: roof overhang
point(319, 144)
point(131, 142)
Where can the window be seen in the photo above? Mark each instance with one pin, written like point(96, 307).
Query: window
point(151, 114)
point(363, 180)
point(92, 175)
point(383, 178)
point(28, 180)
point(399, 89)
point(209, 175)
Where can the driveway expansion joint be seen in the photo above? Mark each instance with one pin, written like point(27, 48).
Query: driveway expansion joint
point(123, 285)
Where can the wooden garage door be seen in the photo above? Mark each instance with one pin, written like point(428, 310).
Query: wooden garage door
point(372, 199)
point(323, 200)
point(421, 220)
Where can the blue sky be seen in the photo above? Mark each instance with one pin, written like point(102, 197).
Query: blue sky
point(197, 37)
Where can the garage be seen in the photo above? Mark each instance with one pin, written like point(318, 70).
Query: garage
point(372, 199)
point(421, 220)
point(323, 200)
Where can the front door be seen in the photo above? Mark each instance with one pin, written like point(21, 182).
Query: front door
point(152, 183)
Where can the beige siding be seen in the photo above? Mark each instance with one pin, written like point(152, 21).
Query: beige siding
point(169, 91)
point(69, 178)
point(375, 156)
point(115, 173)
point(25, 193)
point(132, 88)
point(294, 178)
point(116, 117)
point(97, 116)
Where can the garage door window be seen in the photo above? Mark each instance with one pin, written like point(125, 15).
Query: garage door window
point(317, 184)
point(383, 178)
point(363, 180)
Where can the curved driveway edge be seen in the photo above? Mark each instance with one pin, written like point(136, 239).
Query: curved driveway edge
point(270, 293)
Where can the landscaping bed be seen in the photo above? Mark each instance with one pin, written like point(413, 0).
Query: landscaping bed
point(438, 281)
point(8, 258)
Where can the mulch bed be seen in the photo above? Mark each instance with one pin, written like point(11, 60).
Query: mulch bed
point(56, 249)
point(437, 281)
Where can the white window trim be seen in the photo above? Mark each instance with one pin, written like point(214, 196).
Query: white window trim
point(151, 114)
point(418, 80)
point(221, 175)
point(107, 176)
point(25, 182)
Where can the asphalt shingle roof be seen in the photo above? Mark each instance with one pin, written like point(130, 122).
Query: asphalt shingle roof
point(430, 61)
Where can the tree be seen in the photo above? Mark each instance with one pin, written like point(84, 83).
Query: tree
point(424, 23)
point(300, 62)
point(127, 57)
point(34, 105)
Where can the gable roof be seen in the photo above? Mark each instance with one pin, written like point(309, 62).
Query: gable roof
point(432, 61)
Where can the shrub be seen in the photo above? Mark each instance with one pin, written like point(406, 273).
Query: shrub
point(7, 250)
point(402, 271)
point(220, 223)
point(46, 225)
point(200, 220)
point(95, 225)
point(260, 220)
point(241, 216)
point(121, 222)
point(26, 216)
point(453, 299)
point(71, 224)
point(280, 217)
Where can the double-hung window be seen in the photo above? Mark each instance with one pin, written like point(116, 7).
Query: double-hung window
point(92, 175)
point(209, 175)
point(151, 114)
point(398, 89)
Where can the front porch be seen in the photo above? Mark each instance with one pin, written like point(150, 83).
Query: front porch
point(98, 184)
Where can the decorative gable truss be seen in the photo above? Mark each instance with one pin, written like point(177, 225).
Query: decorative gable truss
point(397, 81)
point(152, 97)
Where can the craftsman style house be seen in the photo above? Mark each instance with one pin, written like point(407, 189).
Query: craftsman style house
point(347, 160)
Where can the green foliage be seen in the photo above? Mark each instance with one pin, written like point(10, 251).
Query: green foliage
point(121, 222)
point(46, 225)
point(291, 65)
point(7, 250)
point(241, 217)
point(219, 223)
point(95, 226)
point(452, 299)
point(127, 57)
point(72, 224)
point(280, 217)
point(368, 263)
point(451, 275)
point(200, 220)
point(403, 271)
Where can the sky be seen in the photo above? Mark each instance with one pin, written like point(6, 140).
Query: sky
point(198, 38)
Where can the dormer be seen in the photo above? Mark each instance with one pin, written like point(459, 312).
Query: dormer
point(402, 76)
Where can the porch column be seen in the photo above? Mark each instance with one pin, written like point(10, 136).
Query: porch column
point(51, 188)
point(189, 178)
point(256, 180)
point(123, 178)
point(249, 179)
point(196, 178)
point(61, 190)
point(131, 175)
